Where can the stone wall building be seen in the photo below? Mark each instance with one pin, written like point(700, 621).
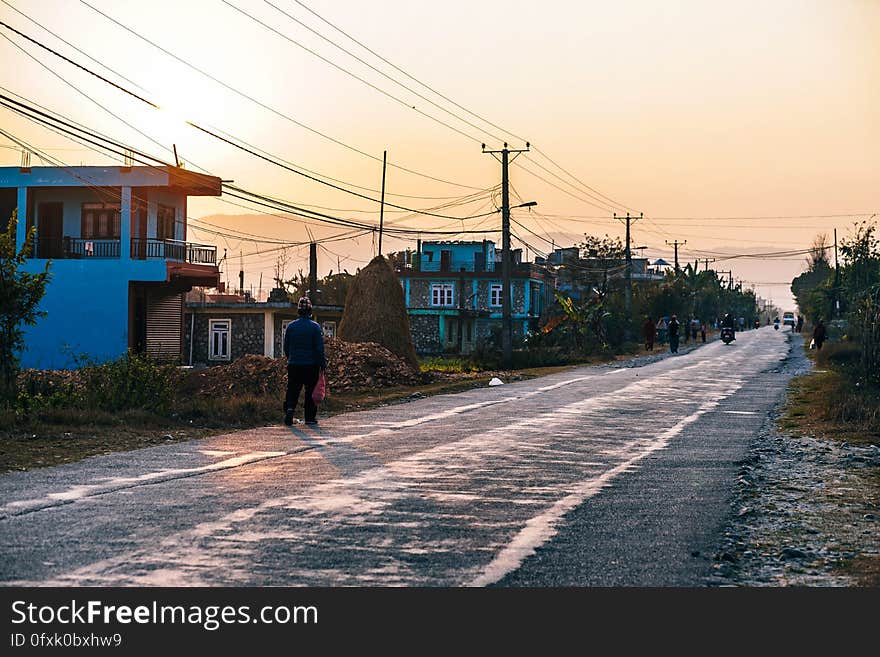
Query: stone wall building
point(219, 332)
point(453, 295)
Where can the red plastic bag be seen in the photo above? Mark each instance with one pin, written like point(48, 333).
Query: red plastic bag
point(320, 391)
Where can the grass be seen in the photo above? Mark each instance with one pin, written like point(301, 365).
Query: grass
point(827, 403)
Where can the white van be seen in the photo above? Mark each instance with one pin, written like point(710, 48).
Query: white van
point(788, 319)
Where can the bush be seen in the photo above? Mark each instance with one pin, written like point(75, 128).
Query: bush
point(843, 356)
point(134, 381)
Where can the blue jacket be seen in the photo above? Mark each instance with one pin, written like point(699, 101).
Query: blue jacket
point(304, 343)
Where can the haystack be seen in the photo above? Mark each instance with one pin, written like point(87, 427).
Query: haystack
point(375, 311)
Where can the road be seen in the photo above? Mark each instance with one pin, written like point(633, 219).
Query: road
point(592, 476)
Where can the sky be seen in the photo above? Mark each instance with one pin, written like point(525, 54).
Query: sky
point(740, 128)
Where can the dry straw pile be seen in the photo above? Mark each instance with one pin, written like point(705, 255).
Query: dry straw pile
point(375, 311)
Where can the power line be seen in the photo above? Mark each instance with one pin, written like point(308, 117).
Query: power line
point(400, 70)
point(79, 50)
point(613, 203)
point(148, 137)
point(278, 113)
point(79, 66)
point(355, 76)
point(47, 120)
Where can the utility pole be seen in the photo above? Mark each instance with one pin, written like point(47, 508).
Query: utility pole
point(836, 307)
point(628, 252)
point(676, 244)
point(382, 205)
point(241, 273)
point(313, 272)
point(506, 319)
point(707, 261)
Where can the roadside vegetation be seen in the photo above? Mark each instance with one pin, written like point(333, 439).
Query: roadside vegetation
point(842, 397)
point(840, 400)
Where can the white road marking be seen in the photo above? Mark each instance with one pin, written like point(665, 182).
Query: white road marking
point(541, 528)
point(119, 483)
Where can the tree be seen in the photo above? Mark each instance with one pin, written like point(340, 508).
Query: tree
point(20, 294)
point(813, 289)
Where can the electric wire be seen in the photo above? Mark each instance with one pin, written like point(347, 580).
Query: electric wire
point(264, 105)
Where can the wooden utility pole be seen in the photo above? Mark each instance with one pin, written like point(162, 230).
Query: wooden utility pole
point(382, 205)
point(676, 244)
point(706, 261)
point(506, 319)
point(313, 272)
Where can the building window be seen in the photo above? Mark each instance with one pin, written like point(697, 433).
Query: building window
point(100, 221)
point(165, 222)
point(329, 329)
point(219, 339)
point(495, 294)
point(441, 294)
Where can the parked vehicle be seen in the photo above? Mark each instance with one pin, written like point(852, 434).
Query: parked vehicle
point(788, 319)
point(727, 335)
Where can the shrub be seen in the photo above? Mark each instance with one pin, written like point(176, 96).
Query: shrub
point(134, 381)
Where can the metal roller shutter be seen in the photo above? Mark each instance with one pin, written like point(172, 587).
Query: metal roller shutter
point(164, 322)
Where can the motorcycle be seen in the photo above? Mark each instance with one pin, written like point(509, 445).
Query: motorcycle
point(727, 335)
point(776, 325)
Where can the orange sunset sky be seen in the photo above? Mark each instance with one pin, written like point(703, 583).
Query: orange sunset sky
point(742, 128)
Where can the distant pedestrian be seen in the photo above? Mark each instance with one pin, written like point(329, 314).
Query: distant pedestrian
point(662, 328)
point(800, 324)
point(685, 330)
point(673, 334)
point(703, 331)
point(304, 349)
point(649, 330)
point(819, 334)
point(695, 328)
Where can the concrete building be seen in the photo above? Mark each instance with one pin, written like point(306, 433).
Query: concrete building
point(120, 263)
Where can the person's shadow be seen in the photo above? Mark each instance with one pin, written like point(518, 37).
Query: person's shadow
point(344, 456)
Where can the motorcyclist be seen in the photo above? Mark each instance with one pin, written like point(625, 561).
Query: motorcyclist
point(727, 321)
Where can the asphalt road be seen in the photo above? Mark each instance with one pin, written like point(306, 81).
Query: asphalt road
point(594, 476)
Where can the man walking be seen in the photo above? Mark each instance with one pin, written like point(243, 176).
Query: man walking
point(304, 349)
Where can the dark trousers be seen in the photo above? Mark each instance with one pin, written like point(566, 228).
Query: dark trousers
point(297, 377)
point(673, 344)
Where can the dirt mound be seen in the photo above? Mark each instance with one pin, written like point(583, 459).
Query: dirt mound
point(350, 366)
point(375, 311)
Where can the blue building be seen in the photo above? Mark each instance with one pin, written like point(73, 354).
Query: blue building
point(115, 240)
point(453, 294)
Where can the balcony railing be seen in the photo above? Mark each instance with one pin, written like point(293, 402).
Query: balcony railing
point(141, 249)
point(197, 254)
point(76, 247)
